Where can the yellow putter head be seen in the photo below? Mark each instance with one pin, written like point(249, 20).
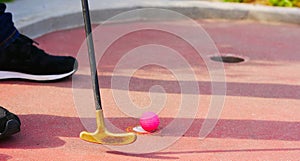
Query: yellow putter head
point(102, 136)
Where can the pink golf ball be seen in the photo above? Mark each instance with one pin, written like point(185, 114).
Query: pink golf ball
point(149, 121)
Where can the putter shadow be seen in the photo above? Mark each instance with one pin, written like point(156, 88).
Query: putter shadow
point(151, 155)
point(166, 155)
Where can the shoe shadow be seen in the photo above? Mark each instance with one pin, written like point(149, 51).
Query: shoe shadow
point(42, 131)
point(5, 157)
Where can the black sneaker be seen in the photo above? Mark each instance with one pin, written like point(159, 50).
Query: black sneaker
point(9, 123)
point(23, 60)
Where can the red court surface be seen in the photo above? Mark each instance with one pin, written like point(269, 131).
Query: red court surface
point(260, 119)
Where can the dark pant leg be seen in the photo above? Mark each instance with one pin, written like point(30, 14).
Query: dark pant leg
point(8, 32)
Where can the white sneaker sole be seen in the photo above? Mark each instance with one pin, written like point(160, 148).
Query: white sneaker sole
point(17, 75)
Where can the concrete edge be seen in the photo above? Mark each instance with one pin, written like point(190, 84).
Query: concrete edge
point(200, 9)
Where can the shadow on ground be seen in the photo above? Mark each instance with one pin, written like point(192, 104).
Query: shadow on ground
point(44, 131)
point(245, 89)
point(261, 90)
point(166, 155)
point(5, 157)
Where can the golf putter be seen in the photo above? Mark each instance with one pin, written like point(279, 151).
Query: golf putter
point(101, 135)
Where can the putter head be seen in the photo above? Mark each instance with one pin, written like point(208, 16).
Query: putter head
point(102, 136)
point(108, 138)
